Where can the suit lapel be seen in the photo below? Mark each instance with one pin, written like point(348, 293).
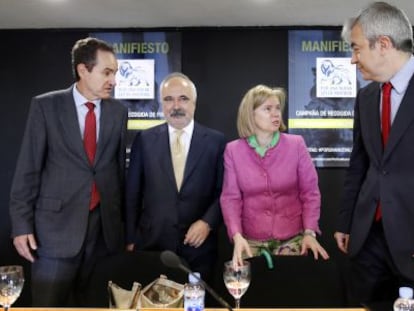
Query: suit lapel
point(106, 124)
point(197, 147)
point(369, 107)
point(403, 119)
point(70, 125)
point(161, 143)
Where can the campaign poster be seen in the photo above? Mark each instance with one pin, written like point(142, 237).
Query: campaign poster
point(144, 59)
point(322, 88)
point(135, 79)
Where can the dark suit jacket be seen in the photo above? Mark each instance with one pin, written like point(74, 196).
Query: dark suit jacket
point(158, 215)
point(52, 183)
point(386, 175)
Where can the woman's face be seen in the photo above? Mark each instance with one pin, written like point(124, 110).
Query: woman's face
point(268, 116)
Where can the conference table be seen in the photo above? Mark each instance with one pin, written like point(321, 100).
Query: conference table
point(181, 309)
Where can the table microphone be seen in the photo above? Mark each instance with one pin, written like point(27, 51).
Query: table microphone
point(170, 259)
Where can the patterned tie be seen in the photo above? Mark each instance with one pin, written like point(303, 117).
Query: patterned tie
point(178, 157)
point(385, 126)
point(89, 142)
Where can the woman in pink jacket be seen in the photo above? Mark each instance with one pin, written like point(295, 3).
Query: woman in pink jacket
point(270, 198)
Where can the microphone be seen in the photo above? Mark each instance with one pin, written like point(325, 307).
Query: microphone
point(170, 259)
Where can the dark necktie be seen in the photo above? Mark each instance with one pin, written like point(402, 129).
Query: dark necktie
point(385, 126)
point(89, 142)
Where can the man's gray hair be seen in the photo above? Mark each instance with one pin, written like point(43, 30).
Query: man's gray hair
point(178, 75)
point(382, 19)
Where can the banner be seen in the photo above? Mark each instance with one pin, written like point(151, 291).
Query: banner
point(322, 88)
point(144, 59)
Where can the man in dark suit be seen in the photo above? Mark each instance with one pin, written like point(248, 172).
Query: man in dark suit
point(170, 212)
point(65, 201)
point(376, 217)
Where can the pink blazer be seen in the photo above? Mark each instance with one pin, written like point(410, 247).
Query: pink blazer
point(274, 197)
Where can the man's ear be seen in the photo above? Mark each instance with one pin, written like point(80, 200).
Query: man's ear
point(81, 68)
point(385, 42)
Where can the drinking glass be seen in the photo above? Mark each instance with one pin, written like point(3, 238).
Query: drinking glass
point(11, 285)
point(237, 279)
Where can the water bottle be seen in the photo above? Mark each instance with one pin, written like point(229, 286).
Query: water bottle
point(194, 294)
point(405, 301)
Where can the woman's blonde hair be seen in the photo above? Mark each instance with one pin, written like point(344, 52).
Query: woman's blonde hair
point(254, 98)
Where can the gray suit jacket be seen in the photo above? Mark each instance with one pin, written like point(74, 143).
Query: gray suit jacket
point(52, 183)
point(386, 175)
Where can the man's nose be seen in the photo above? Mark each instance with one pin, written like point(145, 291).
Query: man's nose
point(112, 80)
point(176, 102)
point(354, 59)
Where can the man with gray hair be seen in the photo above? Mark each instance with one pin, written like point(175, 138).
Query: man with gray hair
point(174, 181)
point(376, 217)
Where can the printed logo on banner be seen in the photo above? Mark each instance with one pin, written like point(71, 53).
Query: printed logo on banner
point(135, 79)
point(335, 77)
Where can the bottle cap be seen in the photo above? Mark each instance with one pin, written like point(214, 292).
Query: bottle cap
point(406, 292)
point(192, 278)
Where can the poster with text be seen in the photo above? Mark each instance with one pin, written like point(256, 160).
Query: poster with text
point(144, 59)
point(322, 88)
point(135, 79)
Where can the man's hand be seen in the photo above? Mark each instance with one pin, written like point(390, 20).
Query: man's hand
point(197, 233)
point(130, 247)
point(342, 240)
point(25, 244)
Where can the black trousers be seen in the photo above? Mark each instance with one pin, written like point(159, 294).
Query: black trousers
point(60, 282)
point(374, 276)
point(201, 259)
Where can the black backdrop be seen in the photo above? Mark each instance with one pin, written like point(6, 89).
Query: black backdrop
point(223, 63)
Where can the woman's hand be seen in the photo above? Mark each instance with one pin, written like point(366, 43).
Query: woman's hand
point(310, 242)
point(240, 246)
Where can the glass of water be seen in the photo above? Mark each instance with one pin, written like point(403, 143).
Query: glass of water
point(11, 285)
point(237, 279)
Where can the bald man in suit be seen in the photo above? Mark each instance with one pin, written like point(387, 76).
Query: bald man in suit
point(65, 201)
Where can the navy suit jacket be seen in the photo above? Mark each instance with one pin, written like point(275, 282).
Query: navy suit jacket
point(53, 179)
point(158, 215)
point(386, 175)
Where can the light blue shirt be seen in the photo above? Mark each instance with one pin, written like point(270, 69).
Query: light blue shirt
point(82, 110)
point(400, 83)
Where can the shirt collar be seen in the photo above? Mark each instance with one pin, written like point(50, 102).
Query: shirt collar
point(252, 140)
point(401, 79)
point(188, 130)
point(80, 99)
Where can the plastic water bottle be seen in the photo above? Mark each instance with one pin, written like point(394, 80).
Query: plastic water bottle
point(194, 294)
point(405, 301)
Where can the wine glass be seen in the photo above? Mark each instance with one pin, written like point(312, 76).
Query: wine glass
point(11, 285)
point(237, 279)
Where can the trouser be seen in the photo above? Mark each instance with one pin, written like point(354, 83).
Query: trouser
point(202, 258)
point(60, 282)
point(289, 247)
point(374, 276)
